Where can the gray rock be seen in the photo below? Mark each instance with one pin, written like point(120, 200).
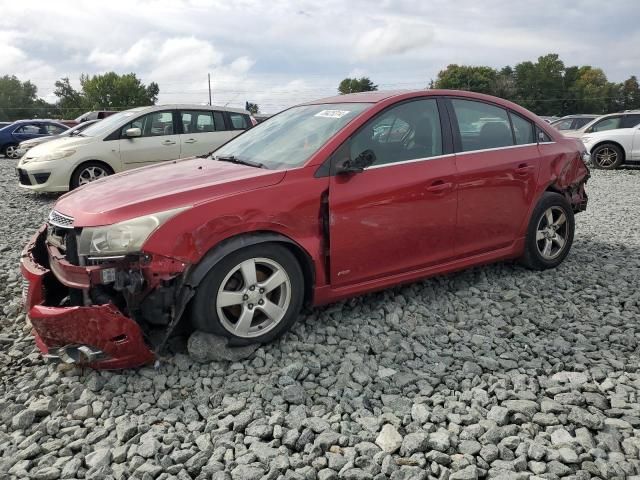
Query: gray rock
point(498, 414)
point(23, 419)
point(414, 442)
point(294, 394)
point(98, 458)
point(206, 347)
point(469, 447)
point(389, 439)
point(467, 473)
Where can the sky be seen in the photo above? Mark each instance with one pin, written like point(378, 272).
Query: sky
point(281, 52)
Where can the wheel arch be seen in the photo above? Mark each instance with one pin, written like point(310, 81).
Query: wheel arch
point(84, 162)
point(198, 271)
point(611, 142)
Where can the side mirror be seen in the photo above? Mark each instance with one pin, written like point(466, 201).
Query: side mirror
point(358, 164)
point(132, 132)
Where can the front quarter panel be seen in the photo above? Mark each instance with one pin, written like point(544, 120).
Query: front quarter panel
point(290, 208)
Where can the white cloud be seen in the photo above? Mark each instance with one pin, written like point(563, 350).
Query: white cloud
point(394, 37)
point(282, 52)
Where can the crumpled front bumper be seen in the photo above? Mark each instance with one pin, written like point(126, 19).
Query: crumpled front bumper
point(115, 340)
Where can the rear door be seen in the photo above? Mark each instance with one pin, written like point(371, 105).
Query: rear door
point(159, 141)
point(27, 131)
point(399, 214)
point(202, 132)
point(629, 136)
point(497, 161)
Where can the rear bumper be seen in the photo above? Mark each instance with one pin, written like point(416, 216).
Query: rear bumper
point(110, 339)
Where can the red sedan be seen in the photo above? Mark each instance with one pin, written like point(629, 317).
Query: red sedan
point(323, 201)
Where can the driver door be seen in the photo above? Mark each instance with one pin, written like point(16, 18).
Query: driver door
point(399, 214)
point(159, 141)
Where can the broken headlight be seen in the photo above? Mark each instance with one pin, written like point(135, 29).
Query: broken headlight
point(121, 238)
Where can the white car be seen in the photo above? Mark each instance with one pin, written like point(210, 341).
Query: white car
point(130, 139)
point(612, 140)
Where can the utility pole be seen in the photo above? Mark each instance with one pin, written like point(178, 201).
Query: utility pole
point(209, 76)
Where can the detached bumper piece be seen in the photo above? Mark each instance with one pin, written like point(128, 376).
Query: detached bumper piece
point(99, 336)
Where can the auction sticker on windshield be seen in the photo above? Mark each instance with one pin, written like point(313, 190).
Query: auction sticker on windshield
point(332, 113)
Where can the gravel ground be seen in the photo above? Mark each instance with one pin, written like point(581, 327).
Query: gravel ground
point(497, 372)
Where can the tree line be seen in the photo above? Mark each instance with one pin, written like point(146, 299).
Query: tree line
point(546, 86)
point(108, 91)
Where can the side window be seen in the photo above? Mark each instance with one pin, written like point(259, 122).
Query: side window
point(239, 121)
point(581, 122)
point(522, 129)
point(405, 132)
point(197, 121)
point(218, 121)
point(29, 129)
point(563, 124)
point(481, 125)
point(541, 136)
point(630, 121)
point(153, 124)
point(606, 124)
point(53, 129)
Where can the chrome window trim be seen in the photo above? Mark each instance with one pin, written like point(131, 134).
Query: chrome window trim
point(415, 160)
point(499, 148)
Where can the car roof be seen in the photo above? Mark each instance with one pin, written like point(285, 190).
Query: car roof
point(381, 96)
point(184, 106)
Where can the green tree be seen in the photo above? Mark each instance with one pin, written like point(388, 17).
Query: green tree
point(540, 86)
point(591, 92)
point(108, 91)
point(252, 108)
point(20, 100)
point(630, 94)
point(467, 77)
point(354, 85)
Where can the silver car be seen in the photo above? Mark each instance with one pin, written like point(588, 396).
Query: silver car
point(25, 146)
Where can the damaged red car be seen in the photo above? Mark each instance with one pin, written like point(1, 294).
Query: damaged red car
point(324, 201)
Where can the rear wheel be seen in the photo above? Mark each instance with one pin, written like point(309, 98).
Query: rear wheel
point(550, 233)
point(251, 296)
point(607, 156)
point(11, 151)
point(89, 172)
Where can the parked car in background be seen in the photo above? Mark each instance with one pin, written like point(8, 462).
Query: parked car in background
point(13, 134)
point(27, 145)
point(614, 140)
point(603, 123)
point(95, 115)
point(129, 139)
point(309, 207)
point(573, 122)
point(549, 119)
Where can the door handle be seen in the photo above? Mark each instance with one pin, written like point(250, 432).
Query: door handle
point(190, 140)
point(168, 142)
point(523, 169)
point(439, 186)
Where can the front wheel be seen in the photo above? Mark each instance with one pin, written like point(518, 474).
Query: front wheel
point(89, 172)
point(607, 156)
point(550, 232)
point(251, 296)
point(11, 151)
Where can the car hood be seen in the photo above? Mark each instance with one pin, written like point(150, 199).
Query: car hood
point(59, 143)
point(161, 187)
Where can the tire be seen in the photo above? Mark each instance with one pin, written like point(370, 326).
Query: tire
point(607, 156)
point(547, 247)
point(89, 172)
point(10, 151)
point(250, 300)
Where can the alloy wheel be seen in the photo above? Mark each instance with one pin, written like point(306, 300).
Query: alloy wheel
point(551, 233)
point(11, 151)
point(606, 157)
point(91, 174)
point(253, 298)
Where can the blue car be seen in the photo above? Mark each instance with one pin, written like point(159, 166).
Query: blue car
point(13, 134)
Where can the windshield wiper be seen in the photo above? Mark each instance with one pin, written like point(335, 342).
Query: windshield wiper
point(232, 159)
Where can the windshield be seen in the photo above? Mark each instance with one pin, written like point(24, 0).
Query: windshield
point(109, 124)
point(290, 138)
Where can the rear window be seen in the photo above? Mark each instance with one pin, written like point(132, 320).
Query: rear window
point(239, 121)
point(482, 126)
